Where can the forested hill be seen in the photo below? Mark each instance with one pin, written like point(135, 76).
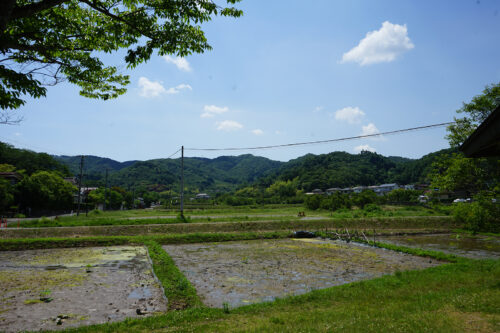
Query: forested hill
point(225, 173)
point(94, 166)
point(201, 174)
point(28, 161)
point(341, 169)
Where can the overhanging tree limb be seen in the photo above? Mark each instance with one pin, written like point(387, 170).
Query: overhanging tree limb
point(70, 34)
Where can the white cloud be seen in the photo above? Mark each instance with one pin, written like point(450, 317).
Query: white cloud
point(352, 115)
point(176, 90)
point(149, 88)
point(228, 125)
point(212, 110)
point(370, 129)
point(257, 131)
point(318, 109)
point(361, 148)
point(181, 63)
point(383, 45)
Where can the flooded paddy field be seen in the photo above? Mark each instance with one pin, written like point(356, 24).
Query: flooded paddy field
point(58, 288)
point(243, 272)
point(475, 247)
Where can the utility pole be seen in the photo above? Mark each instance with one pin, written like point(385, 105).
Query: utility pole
point(133, 197)
point(106, 189)
point(182, 181)
point(80, 186)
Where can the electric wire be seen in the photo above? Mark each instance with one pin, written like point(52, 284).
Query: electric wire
point(324, 141)
point(178, 150)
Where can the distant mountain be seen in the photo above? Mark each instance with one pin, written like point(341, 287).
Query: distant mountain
point(92, 164)
point(341, 169)
point(226, 173)
point(223, 173)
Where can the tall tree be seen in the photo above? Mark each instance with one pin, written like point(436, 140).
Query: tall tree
point(458, 173)
point(474, 113)
point(43, 42)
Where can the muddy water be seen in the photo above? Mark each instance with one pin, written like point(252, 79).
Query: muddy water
point(81, 286)
point(244, 272)
point(475, 247)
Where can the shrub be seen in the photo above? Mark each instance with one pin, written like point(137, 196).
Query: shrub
point(372, 208)
point(480, 215)
point(313, 202)
point(95, 212)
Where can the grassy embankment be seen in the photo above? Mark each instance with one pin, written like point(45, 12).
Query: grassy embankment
point(159, 216)
point(385, 225)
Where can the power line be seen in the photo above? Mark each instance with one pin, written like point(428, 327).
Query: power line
point(178, 150)
point(323, 141)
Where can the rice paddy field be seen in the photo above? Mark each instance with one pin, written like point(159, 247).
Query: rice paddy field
point(247, 270)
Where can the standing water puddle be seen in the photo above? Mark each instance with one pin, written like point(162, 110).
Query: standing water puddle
point(475, 247)
point(243, 272)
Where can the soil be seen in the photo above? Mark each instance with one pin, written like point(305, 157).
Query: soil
point(243, 272)
point(61, 288)
point(475, 247)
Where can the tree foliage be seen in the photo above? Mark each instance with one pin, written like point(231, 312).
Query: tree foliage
point(43, 42)
point(45, 190)
point(474, 113)
point(458, 173)
point(30, 161)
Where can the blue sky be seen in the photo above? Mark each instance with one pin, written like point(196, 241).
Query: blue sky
point(287, 71)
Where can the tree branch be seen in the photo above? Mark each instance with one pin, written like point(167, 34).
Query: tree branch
point(34, 8)
point(113, 16)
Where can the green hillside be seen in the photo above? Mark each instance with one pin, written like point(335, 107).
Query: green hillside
point(341, 169)
point(94, 166)
point(226, 173)
point(223, 173)
point(30, 161)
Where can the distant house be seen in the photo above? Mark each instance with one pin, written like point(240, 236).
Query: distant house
point(317, 191)
point(87, 190)
point(202, 196)
point(12, 177)
point(71, 180)
point(409, 187)
point(332, 190)
point(346, 190)
point(386, 188)
point(419, 187)
point(359, 189)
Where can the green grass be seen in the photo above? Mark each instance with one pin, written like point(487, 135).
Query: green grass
point(178, 290)
point(48, 243)
point(424, 223)
point(456, 297)
point(222, 214)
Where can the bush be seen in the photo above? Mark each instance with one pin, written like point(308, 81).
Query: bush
point(480, 215)
point(372, 208)
point(313, 202)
